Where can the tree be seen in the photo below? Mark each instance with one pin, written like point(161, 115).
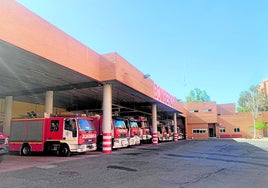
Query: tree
point(253, 101)
point(260, 125)
point(197, 95)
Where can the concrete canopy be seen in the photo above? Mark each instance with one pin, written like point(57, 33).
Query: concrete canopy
point(36, 57)
point(27, 77)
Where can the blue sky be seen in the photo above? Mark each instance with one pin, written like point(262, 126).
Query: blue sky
point(217, 46)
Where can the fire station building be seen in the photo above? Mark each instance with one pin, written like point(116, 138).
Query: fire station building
point(45, 71)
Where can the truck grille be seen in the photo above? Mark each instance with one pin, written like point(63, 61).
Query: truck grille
point(2, 140)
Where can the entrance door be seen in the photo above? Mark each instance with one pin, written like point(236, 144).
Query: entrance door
point(211, 132)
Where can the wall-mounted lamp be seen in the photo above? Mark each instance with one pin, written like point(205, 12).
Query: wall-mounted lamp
point(146, 76)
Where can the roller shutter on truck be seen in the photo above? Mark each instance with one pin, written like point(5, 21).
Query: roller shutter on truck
point(26, 131)
point(18, 131)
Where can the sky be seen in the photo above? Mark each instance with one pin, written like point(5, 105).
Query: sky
point(220, 47)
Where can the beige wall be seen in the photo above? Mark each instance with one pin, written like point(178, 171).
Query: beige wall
point(20, 109)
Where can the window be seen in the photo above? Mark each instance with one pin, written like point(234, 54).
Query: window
point(86, 125)
point(133, 124)
point(199, 131)
point(236, 130)
point(54, 125)
point(222, 130)
point(70, 125)
point(193, 111)
point(119, 123)
point(207, 110)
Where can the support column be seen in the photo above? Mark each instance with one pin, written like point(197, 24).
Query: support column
point(7, 115)
point(49, 102)
point(154, 121)
point(107, 119)
point(175, 137)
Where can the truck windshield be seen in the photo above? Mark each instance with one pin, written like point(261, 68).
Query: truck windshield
point(119, 124)
point(146, 125)
point(86, 125)
point(133, 124)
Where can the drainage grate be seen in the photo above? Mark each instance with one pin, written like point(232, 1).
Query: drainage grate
point(150, 149)
point(122, 168)
point(47, 166)
point(132, 153)
point(69, 173)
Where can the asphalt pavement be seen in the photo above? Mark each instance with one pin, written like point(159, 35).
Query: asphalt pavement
point(185, 164)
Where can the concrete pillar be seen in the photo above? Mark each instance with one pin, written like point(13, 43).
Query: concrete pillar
point(107, 119)
point(7, 115)
point(154, 121)
point(175, 137)
point(49, 102)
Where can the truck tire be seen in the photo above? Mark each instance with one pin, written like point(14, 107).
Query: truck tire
point(64, 150)
point(25, 150)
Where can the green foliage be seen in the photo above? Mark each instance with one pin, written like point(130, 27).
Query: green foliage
point(242, 102)
point(197, 95)
point(252, 100)
point(261, 125)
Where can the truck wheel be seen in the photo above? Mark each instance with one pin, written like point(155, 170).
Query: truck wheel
point(64, 150)
point(25, 150)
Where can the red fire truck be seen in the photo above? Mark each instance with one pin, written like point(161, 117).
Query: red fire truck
point(145, 134)
point(162, 132)
point(63, 135)
point(3, 145)
point(134, 132)
point(169, 126)
point(120, 135)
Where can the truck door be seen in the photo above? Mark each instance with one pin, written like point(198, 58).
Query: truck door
point(70, 129)
point(53, 129)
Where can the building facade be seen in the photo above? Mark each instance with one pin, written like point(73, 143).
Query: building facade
point(210, 120)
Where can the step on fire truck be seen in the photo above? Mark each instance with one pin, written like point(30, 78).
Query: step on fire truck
point(145, 133)
point(134, 131)
point(63, 135)
point(119, 132)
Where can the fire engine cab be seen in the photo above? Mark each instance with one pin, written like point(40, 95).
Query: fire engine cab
point(134, 131)
point(119, 132)
point(145, 133)
point(63, 135)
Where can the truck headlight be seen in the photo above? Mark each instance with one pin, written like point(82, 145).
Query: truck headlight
point(6, 141)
